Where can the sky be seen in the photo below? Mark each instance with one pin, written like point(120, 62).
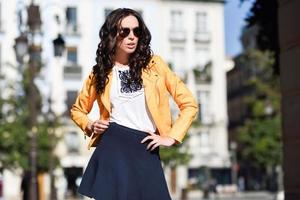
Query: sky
point(235, 13)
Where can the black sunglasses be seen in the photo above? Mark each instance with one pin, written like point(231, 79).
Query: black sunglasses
point(124, 32)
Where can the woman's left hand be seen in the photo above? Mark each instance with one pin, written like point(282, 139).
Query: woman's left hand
point(158, 140)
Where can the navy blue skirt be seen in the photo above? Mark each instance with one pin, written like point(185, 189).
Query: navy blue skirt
point(121, 168)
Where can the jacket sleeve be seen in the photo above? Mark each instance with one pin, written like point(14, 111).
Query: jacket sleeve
point(184, 99)
point(83, 104)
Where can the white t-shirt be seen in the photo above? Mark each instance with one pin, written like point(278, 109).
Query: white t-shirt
point(128, 102)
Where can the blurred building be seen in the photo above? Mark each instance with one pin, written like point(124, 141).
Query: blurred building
point(189, 35)
point(239, 110)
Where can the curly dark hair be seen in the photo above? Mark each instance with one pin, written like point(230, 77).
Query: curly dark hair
point(107, 47)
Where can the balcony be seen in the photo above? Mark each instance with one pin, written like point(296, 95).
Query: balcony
point(208, 119)
point(72, 71)
point(177, 35)
point(72, 29)
point(203, 74)
point(202, 37)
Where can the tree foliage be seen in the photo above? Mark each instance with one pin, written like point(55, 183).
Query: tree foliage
point(176, 155)
point(15, 139)
point(260, 136)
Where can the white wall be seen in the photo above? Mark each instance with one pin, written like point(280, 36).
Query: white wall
point(157, 16)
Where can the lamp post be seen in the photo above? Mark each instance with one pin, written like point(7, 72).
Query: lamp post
point(52, 120)
point(234, 165)
point(25, 44)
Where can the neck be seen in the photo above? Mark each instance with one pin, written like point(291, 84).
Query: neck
point(121, 58)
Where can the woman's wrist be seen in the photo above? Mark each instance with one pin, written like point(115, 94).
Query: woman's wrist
point(172, 141)
point(90, 127)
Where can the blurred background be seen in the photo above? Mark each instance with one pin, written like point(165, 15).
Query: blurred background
point(229, 54)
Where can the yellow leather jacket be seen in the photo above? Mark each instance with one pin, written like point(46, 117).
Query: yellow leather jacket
point(158, 81)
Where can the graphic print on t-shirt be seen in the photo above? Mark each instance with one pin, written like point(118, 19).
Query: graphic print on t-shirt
point(126, 86)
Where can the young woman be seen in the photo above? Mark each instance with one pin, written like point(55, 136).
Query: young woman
point(132, 89)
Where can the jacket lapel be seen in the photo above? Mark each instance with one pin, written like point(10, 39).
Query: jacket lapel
point(106, 94)
point(149, 82)
point(150, 79)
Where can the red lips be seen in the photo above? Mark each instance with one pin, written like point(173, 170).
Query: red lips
point(131, 45)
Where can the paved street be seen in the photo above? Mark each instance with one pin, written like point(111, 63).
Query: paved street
point(250, 196)
point(241, 196)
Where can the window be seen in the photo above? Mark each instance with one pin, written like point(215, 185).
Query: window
point(203, 66)
point(176, 20)
point(71, 97)
point(204, 143)
point(72, 142)
point(204, 139)
point(177, 32)
point(203, 98)
point(201, 57)
point(72, 70)
point(71, 15)
point(72, 55)
point(178, 56)
point(72, 25)
point(201, 22)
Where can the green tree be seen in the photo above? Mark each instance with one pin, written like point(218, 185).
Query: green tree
point(14, 128)
point(260, 135)
point(174, 156)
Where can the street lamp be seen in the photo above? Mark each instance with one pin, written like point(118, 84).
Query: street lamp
point(24, 46)
point(59, 45)
point(21, 47)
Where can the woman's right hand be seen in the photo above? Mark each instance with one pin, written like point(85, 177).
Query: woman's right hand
point(99, 126)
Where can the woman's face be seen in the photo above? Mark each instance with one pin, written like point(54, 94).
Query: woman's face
point(127, 37)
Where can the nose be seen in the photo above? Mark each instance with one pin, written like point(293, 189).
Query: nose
point(131, 35)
